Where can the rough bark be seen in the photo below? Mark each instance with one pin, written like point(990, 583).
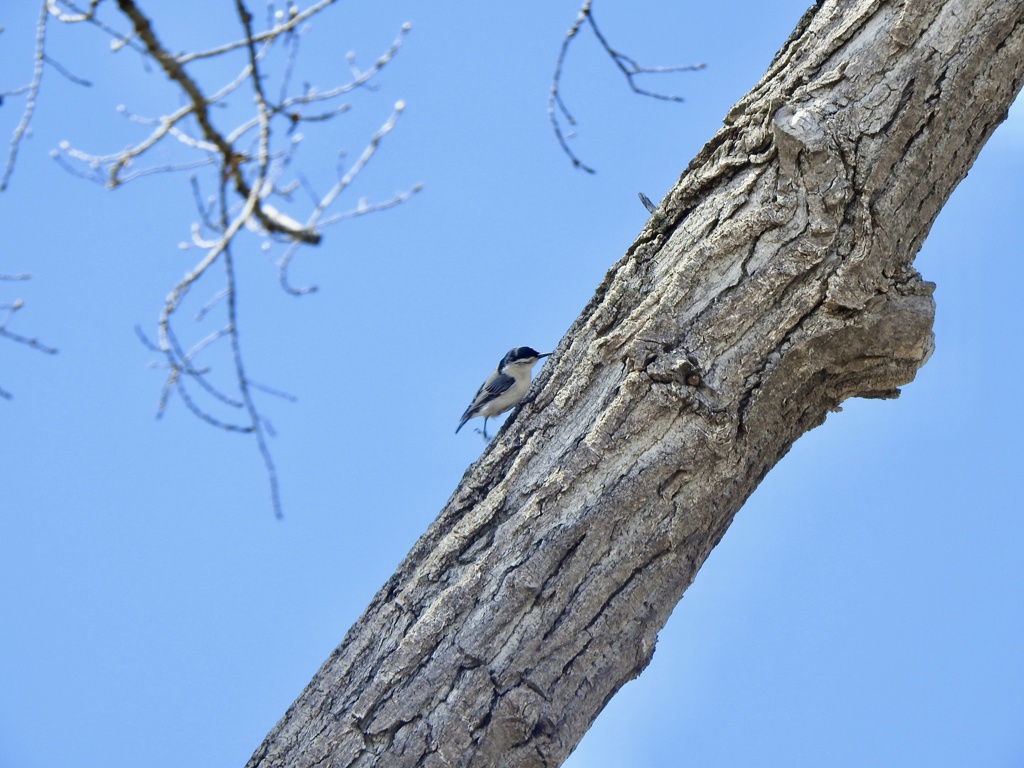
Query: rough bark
point(773, 282)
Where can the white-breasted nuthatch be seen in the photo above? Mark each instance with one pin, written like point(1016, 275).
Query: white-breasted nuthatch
point(505, 387)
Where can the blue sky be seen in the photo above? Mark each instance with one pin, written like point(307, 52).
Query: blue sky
point(865, 608)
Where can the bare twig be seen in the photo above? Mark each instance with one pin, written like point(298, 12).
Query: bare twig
point(628, 66)
point(346, 179)
point(631, 69)
point(28, 341)
point(65, 73)
point(8, 310)
point(77, 15)
point(31, 93)
point(252, 161)
point(294, 19)
point(258, 425)
point(555, 96)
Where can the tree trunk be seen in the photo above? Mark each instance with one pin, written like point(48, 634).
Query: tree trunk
point(773, 282)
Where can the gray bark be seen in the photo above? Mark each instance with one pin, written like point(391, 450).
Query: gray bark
point(774, 282)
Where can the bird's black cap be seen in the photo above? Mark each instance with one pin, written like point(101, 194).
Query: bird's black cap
point(522, 353)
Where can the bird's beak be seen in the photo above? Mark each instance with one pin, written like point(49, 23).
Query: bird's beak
point(546, 354)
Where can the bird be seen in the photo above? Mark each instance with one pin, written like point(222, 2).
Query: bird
point(505, 387)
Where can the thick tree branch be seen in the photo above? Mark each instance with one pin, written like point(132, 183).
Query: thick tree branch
point(774, 282)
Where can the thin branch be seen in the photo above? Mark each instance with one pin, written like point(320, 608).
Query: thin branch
point(10, 309)
point(293, 21)
point(274, 392)
point(364, 208)
point(263, 157)
point(555, 97)
point(30, 99)
point(292, 41)
point(165, 126)
point(631, 69)
point(257, 80)
point(361, 209)
point(627, 65)
point(169, 168)
point(30, 342)
point(256, 419)
point(180, 364)
point(254, 169)
point(312, 95)
point(203, 415)
point(205, 211)
point(216, 299)
point(120, 39)
point(79, 15)
point(328, 199)
point(179, 291)
point(359, 164)
point(183, 365)
point(68, 75)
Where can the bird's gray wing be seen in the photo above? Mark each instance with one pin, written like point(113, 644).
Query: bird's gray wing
point(490, 389)
point(496, 384)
